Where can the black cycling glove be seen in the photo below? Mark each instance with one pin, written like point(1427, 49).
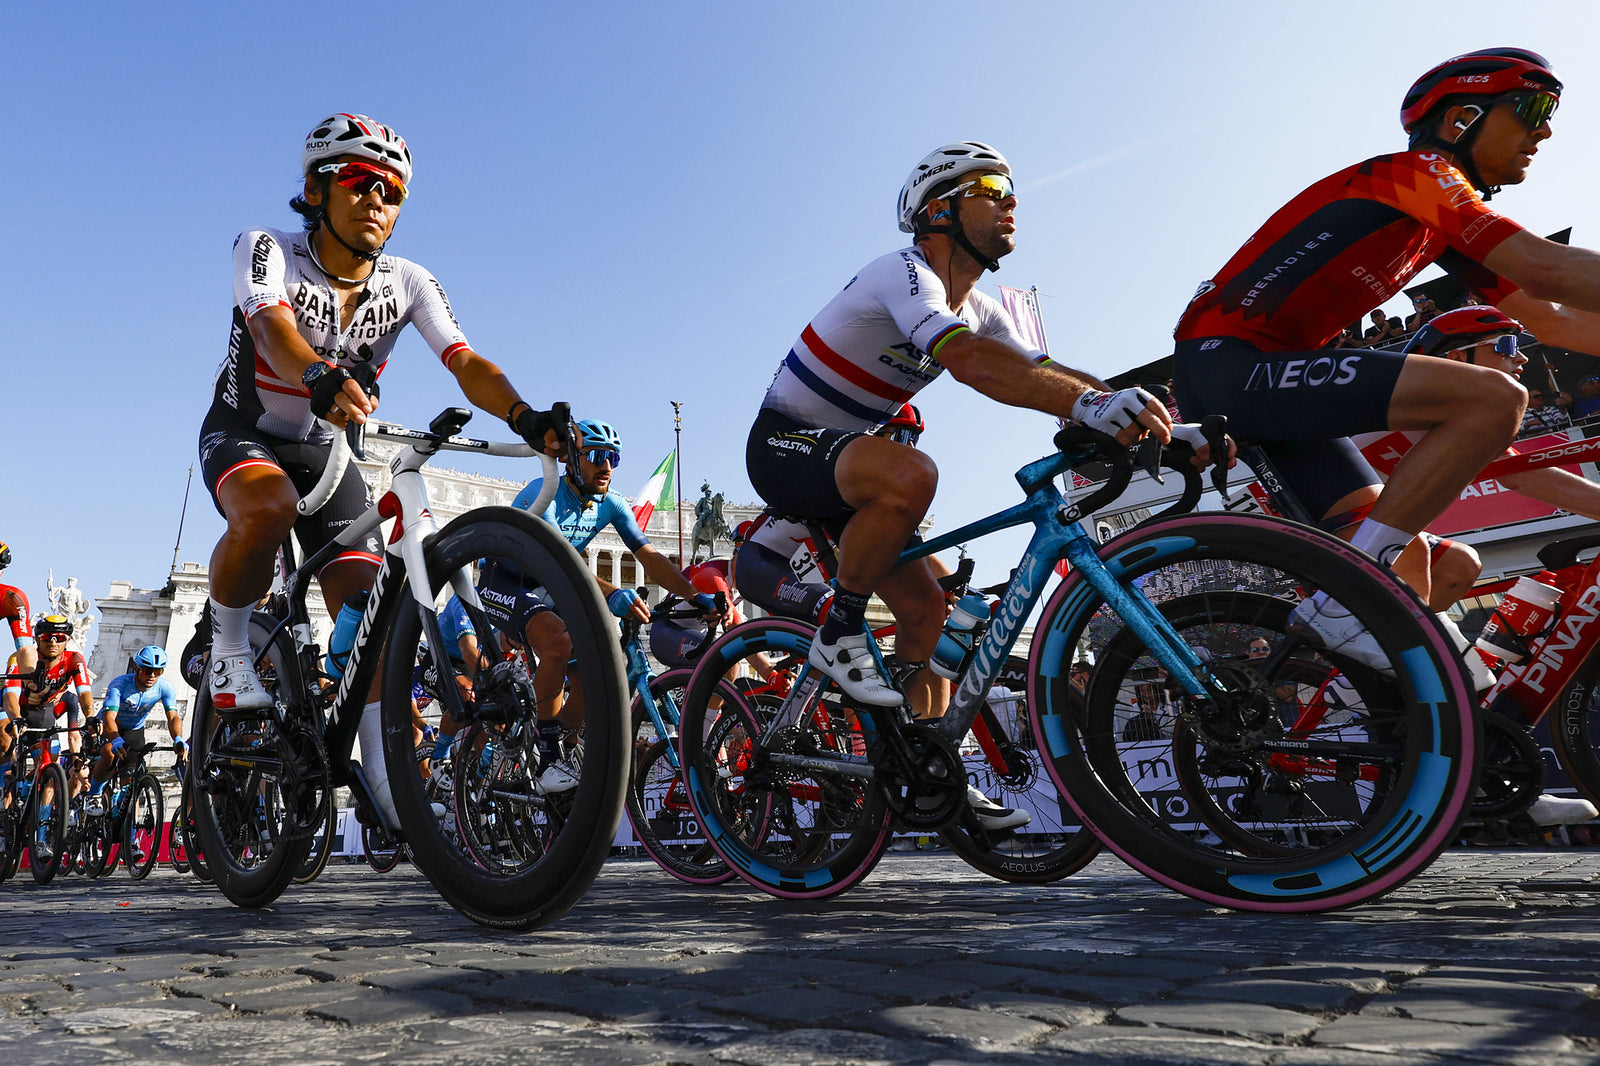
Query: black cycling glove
point(532, 425)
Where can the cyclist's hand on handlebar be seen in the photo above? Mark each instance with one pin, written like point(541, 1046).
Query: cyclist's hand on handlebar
point(714, 606)
point(1126, 415)
point(1192, 434)
point(339, 398)
point(625, 603)
point(541, 429)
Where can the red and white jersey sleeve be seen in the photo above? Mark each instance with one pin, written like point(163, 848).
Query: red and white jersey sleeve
point(877, 343)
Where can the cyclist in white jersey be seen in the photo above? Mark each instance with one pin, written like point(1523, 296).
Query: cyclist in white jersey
point(904, 319)
point(315, 317)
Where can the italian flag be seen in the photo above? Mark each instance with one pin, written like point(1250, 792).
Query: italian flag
point(657, 492)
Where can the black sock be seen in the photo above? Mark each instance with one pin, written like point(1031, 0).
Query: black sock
point(846, 616)
point(550, 734)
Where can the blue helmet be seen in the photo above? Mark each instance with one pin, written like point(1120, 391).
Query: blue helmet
point(151, 657)
point(597, 434)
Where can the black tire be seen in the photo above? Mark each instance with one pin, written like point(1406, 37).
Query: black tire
point(1399, 788)
point(658, 805)
point(321, 846)
point(177, 850)
point(141, 826)
point(238, 811)
point(97, 850)
point(573, 832)
point(46, 858)
point(1052, 846)
point(11, 842)
point(793, 833)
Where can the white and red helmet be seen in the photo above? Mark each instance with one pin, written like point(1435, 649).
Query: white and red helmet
point(940, 165)
point(359, 136)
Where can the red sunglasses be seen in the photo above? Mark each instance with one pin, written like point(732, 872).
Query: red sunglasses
point(361, 178)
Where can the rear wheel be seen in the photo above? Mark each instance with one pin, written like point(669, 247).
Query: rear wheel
point(242, 821)
point(11, 842)
point(1053, 844)
point(1575, 730)
point(321, 846)
point(794, 832)
point(513, 856)
point(1270, 794)
point(142, 826)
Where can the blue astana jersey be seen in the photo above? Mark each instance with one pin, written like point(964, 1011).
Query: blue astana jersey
point(580, 520)
point(132, 707)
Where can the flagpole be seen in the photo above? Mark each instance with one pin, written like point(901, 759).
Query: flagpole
point(677, 469)
point(182, 514)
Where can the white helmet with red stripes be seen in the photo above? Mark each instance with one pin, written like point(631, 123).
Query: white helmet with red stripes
point(359, 136)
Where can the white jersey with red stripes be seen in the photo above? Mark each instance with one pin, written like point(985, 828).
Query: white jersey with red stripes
point(273, 268)
point(877, 343)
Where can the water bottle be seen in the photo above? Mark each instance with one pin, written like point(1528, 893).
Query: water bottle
point(344, 634)
point(962, 629)
point(1521, 615)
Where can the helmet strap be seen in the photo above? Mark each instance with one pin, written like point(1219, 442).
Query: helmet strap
point(956, 232)
point(366, 257)
point(1460, 150)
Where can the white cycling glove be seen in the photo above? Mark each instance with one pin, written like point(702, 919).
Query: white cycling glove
point(1110, 412)
point(1191, 434)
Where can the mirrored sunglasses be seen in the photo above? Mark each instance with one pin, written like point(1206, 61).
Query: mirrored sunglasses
point(52, 638)
point(361, 178)
point(1535, 109)
point(990, 186)
point(1506, 345)
point(603, 456)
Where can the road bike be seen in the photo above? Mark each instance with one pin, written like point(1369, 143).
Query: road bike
point(129, 824)
point(1143, 600)
point(263, 777)
point(33, 807)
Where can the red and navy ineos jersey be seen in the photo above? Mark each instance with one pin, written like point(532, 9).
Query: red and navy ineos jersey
point(1346, 245)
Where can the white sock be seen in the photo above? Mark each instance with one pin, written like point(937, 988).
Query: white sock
point(372, 766)
point(230, 630)
point(1383, 543)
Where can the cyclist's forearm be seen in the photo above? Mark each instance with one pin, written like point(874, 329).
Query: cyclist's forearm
point(1006, 375)
point(484, 384)
point(1081, 375)
point(1558, 488)
point(659, 569)
point(279, 342)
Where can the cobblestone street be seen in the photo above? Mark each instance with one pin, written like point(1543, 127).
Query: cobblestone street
point(1489, 957)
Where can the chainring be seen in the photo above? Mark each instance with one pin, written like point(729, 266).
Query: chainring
point(1513, 770)
point(929, 789)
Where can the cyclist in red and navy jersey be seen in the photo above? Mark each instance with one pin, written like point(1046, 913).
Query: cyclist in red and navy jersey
point(1253, 343)
point(315, 316)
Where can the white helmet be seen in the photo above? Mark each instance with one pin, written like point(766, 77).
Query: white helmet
point(357, 135)
point(941, 164)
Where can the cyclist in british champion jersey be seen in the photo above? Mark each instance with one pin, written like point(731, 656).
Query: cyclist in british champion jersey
point(315, 316)
point(899, 323)
point(1253, 343)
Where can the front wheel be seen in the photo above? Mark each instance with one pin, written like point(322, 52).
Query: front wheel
point(48, 828)
point(141, 838)
point(1304, 781)
point(321, 845)
point(544, 846)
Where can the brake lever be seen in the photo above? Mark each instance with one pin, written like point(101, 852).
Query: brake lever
point(355, 433)
point(1148, 456)
point(1215, 430)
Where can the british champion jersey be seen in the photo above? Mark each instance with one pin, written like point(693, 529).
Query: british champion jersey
point(273, 268)
point(1345, 246)
point(877, 343)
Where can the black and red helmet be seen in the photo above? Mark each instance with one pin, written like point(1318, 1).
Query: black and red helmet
point(1487, 73)
point(1461, 327)
point(905, 427)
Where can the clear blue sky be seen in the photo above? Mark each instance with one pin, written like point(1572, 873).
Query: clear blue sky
point(632, 203)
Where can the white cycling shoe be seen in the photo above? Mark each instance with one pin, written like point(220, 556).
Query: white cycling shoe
point(1328, 624)
point(1482, 677)
point(235, 686)
point(563, 774)
point(852, 666)
point(991, 815)
point(1560, 810)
